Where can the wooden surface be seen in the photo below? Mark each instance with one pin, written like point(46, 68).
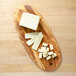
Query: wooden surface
point(60, 15)
point(48, 37)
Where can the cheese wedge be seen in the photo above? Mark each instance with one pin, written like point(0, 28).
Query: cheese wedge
point(37, 41)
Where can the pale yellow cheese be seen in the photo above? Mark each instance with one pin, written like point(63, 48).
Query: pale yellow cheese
point(29, 20)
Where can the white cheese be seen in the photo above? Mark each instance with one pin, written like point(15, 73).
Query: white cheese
point(29, 20)
point(40, 55)
point(40, 50)
point(31, 41)
point(44, 55)
point(45, 44)
point(51, 46)
point(43, 48)
point(44, 52)
point(47, 49)
point(54, 55)
point(49, 57)
point(31, 35)
point(37, 41)
point(50, 53)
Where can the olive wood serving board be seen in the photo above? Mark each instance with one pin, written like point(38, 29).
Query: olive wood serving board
point(48, 37)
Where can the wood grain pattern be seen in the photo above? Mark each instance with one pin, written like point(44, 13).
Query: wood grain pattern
point(61, 17)
point(48, 38)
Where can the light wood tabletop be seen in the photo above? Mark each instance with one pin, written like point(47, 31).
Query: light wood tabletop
point(61, 17)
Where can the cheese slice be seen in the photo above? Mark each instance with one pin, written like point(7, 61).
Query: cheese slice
point(37, 41)
point(31, 35)
point(29, 20)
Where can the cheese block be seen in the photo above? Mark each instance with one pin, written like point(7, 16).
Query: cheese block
point(29, 20)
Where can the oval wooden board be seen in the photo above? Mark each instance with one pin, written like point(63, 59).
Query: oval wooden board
point(49, 38)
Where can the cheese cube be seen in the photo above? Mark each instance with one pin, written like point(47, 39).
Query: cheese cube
point(47, 49)
point(29, 20)
point(40, 50)
point(54, 55)
point(43, 48)
point(44, 55)
point(44, 52)
point(40, 55)
point(51, 47)
point(49, 57)
point(45, 44)
point(50, 53)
